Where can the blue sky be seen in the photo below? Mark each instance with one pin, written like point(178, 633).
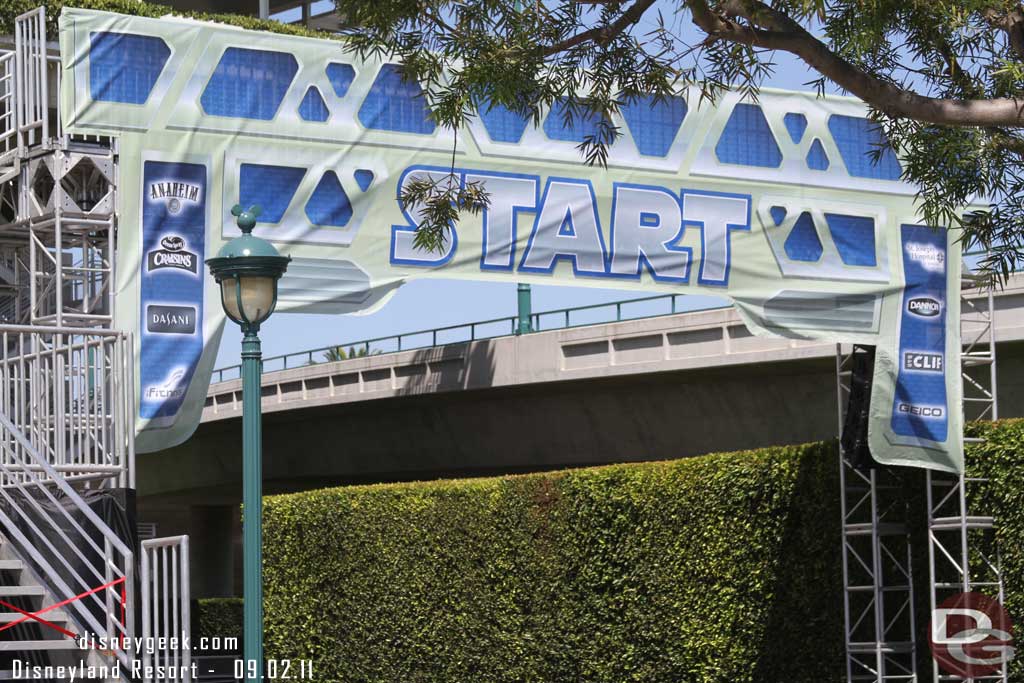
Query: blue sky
point(425, 304)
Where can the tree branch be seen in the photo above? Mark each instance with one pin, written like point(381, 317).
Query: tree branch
point(783, 33)
point(1012, 22)
point(601, 35)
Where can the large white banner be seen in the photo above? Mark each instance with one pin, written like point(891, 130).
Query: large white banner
point(775, 204)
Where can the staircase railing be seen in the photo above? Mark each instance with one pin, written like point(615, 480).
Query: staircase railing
point(69, 391)
point(65, 397)
point(165, 609)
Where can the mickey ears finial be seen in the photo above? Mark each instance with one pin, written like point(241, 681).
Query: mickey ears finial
point(246, 217)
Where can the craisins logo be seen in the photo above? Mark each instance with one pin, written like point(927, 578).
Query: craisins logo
point(971, 635)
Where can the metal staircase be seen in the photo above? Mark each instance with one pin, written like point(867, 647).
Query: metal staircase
point(67, 399)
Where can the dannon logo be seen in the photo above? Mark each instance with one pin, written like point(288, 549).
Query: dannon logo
point(172, 254)
point(924, 306)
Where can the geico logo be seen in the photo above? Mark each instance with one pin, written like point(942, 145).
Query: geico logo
point(921, 411)
point(924, 306)
point(930, 362)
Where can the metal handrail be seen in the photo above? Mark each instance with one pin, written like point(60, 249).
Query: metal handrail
point(69, 391)
point(394, 343)
point(165, 609)
point(111, 590)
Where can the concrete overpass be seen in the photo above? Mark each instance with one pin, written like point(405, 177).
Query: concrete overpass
point(653, 388)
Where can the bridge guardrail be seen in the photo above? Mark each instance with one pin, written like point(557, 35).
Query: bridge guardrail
point(542, 321)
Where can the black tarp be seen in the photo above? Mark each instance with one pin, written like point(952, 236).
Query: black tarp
point(854, 441)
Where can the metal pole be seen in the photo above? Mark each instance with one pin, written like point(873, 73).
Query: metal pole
point(252, 523)
point(525, 309)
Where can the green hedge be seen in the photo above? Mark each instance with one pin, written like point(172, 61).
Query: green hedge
point(220, 617)
point(9, 9)
point(1000, 459)
point(717, 568)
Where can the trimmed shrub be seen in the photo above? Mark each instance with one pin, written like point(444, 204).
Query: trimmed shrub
point(717, 568)
point(217, 617)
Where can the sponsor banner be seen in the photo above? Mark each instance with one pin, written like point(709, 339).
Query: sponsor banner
point(774, 204)
point(919, 391)
point(171, 285)
point(921, 407)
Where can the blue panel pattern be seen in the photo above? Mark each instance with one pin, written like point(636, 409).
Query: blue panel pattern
point(778, 214)
point(341, 77)
point(796, 124)
point(816, 157)
point(124, 67)
point(856, 138)
point(249, 84)
point(654, 124)
point(920, 405)
point(854, 237)
point(583, 124)
point(748, 140)
point(803, 243)
point(329, 204)
point(502, 124)
point(364, 178)
point(393, 104)
point(270, 187)
point(313, 107)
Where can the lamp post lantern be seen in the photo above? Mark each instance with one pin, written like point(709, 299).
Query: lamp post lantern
point(247, 269)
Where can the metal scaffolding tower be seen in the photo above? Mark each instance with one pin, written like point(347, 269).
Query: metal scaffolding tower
point(877, 574)
point(66, 377)
point(881, 643)
point(962, 552)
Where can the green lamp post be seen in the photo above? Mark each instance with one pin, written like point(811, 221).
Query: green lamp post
point(247, 270)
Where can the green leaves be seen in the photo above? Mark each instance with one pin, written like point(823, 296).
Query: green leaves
point(527, 56)
point(668, 571)
point(437, 203)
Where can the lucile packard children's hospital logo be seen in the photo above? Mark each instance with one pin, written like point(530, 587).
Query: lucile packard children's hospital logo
point(971, 635)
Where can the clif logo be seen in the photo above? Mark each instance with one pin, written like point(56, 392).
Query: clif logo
point(923, 362)
point(971, 636)
point(172, 255)
point(924, 306)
